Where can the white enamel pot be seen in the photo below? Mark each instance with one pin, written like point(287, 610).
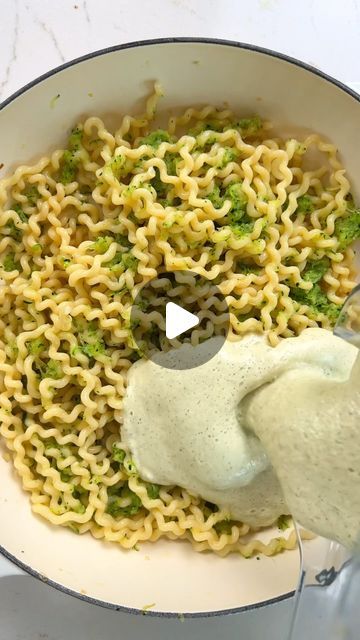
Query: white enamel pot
point(169, 575)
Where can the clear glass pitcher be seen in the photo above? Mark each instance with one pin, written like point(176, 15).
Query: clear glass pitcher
point(327, 601)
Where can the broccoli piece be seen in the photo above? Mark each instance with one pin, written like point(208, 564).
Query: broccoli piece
point(69, 167)
point(10, 264)
point(238, 199)
point(32, 194)
point(224, 526)
point(93, 350)
point(215, 198)
point(123, 259)
point(210, 125)
point(36, 249)
point(243, 228)
point(66, 475)
point(36, 347)
point(80, 508)
point(115, 509)
point(123, 240)
point(315, 270)
point(284, 522)
point(118, 455)
point(347, 229)
point(242, 267)
point(230, 154)
point(13, 231)
point(52, 370)
point(75, 139)
point(248, 126)
point(130, 261)
point(155, 138)
point(170, 160)
point(115, 261)
point(102, 244)
point(19, 210)
point(305, 205)
point(317, 300)
point(90, 338)
point(120, 166)
point(160, 187)
point(153, 490)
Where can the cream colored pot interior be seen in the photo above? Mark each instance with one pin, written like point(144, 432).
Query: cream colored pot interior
point(169, 575)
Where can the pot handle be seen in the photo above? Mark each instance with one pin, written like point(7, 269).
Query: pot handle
point(8, 568)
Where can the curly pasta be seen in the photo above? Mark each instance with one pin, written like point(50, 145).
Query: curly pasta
point(83, 230)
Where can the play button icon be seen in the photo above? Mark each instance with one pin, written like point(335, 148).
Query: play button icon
point(178, 320)
point(174, 313)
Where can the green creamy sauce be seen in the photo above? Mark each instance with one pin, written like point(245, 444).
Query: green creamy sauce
point(198, 439)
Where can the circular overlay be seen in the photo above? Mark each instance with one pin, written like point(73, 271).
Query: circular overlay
point(153, 318)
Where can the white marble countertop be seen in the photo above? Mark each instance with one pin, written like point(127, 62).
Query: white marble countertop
point(37, 35)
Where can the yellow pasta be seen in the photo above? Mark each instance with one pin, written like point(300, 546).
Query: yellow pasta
point(83, 230)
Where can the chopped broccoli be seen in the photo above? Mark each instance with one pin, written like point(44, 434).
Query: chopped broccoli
point(153, 490)
point(32, 194)
point(317, 300)
point(315, 270)
point(243, 228)
point(52, 370)
point(80, 508)
point(69, 166)
point(155, 138)
point(10, 264)
point(123, 240)
point(90, 338)
point(284, 522)
point(115, 509)
point(123, 259)
point(305, 205)
point(93, 350)
point(242, 267)
point(230, 154)
point(224, 526)
point(66, 475)
point(248, 126)
point(115, 261)
point(118, 455)
point(238, 199)
point(102, 244)
point(215, 198)
point(75, 139)
point(130, 261)
point(210, 125)
point(36, 248)
point(347, 229)
point(121, 166)
point(19, 210)
point(36, 347)
point(13, 231)
point(160, 187)
point(170, 160)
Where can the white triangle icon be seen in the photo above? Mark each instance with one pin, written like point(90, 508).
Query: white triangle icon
point(178, 320)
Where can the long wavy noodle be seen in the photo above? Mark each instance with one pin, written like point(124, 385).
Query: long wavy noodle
point(83, 230)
